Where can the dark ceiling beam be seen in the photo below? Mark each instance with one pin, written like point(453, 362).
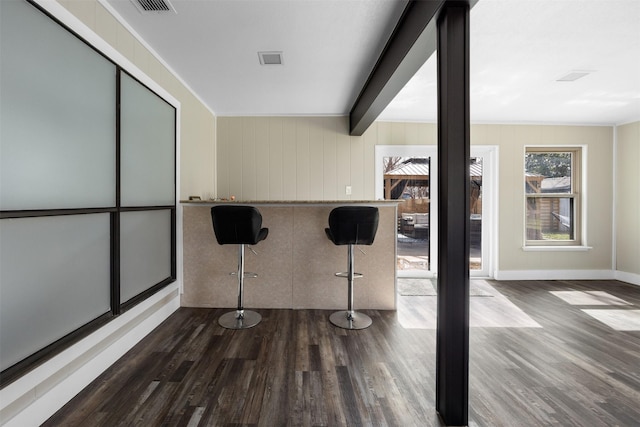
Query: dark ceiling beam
point(412, 42)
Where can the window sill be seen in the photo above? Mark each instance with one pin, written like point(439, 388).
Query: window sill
point(556, 248)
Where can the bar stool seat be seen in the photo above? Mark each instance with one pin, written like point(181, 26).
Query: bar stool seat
point(239, 225)
point(351, 226)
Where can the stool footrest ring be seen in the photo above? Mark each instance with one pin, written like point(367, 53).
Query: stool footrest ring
point(345, 274)
point(247, 275)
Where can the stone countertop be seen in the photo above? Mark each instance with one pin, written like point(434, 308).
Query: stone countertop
point(288, 202)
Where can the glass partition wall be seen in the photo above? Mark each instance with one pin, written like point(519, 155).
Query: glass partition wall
point(87, 189)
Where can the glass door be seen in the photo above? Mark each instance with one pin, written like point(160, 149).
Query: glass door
point(407, 179)
point(475, 208)
point(409, 174)
point(483, 188)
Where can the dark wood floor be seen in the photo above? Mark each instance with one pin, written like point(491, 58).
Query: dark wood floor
point(294, 368)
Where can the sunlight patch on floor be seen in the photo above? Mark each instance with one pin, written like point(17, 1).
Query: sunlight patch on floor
point(589, 298)
point(619, 320)
point(496, 312)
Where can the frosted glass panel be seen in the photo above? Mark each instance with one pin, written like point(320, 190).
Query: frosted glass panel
point(54, 278)
point(147, 146)
point(145, 251)
point(57, 115)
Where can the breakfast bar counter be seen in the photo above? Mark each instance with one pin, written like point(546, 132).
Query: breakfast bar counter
point(296, 264)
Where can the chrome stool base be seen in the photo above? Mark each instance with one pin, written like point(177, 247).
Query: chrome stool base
point(351, 226)
point(350, 320)
point(239, 319)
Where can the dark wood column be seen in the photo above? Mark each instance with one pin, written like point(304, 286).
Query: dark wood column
point(452, 352)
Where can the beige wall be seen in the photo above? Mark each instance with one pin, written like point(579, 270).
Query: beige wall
point(628, 199)
point(285, 158)
point(304, 158)
point(197, 122)
point(314, 158)
point(512, 140)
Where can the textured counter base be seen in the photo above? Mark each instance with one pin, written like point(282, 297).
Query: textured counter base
point(296, 264)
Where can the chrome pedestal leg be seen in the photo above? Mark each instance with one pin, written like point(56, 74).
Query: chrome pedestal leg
point(240, 318)
point(350, 319)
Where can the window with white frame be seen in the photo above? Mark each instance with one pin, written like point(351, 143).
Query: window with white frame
point(552, 196)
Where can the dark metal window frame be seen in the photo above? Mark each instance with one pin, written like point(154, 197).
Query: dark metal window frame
point(17, 370)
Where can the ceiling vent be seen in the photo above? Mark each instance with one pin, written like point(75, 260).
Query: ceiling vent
point(153, 6)
point(270, 58)
point(573, 76)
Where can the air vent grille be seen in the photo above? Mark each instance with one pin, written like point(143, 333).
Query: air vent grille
point(270, 58)
point(147, 6)
point(573, 76)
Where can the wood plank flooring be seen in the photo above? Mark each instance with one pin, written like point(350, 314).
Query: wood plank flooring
point(295, 368)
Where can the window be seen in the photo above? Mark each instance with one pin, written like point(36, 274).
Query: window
point(552, 196)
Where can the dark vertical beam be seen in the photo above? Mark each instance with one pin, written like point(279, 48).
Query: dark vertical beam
point(452, 352)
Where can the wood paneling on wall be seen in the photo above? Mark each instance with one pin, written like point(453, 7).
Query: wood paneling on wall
point(304, 158)
point(314, 158)
point(292, 158)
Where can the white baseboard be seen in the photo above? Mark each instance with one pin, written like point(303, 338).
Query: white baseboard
point(623, 276)
point(555, 275)
point(33, 398)
point(632, 278)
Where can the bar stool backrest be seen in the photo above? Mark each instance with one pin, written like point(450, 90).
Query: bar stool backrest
point(353, 225)
point(237, 225)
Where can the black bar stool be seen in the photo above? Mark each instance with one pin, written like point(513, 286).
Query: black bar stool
point(352, 225)
point(239, 225)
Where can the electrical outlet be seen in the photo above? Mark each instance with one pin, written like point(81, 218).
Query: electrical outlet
point(347, 190)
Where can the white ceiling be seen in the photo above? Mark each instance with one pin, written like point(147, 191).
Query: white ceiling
point(519, 48)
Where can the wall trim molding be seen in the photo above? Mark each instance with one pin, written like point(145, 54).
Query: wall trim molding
point(555, 275)
point(632, 278)
point(33, 398)
point(623, 276)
